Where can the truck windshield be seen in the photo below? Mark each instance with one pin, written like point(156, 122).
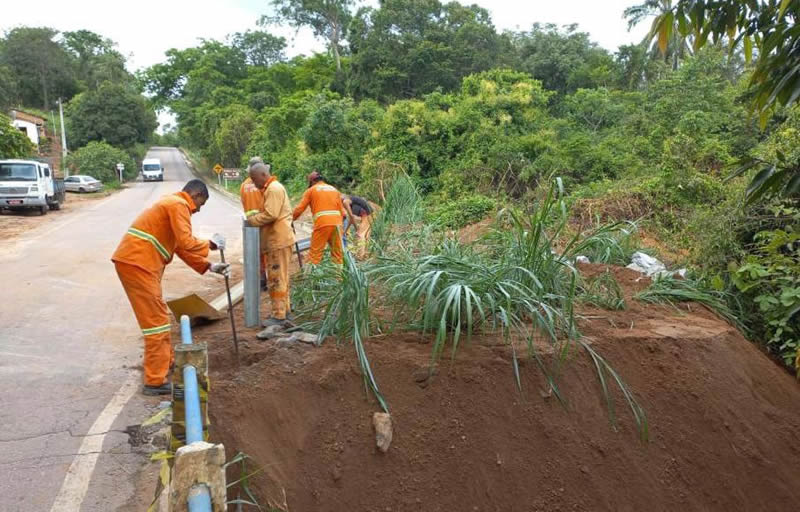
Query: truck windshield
point(17, 172)
point(152, 167)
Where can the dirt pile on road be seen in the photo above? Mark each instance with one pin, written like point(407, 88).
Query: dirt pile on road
point(724, 422)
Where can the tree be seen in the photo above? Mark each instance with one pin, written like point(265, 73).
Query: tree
point(328, 19)
point(407, 48)
point(770, 28)
point(43, 69)
point(671, 47)
point(97, 59)
point(233, 135)
point(13, 143)
point(563, 58)
point(260, 48)
point(113, 113)
point(99, 160)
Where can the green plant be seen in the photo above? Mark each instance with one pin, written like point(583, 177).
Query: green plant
point(517, 285)
point(669, 289)
point(403, 206)
point(461, 212)
point(99, 160)
point(341, 293)
point(613, 246)
point(243, 481)
point(604, 292)
point(769, 277)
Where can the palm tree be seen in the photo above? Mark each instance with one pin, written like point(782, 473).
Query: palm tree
point(671, 44)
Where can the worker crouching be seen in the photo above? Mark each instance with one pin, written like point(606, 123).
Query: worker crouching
point(275, 221)
point(328, 213)
point(158, 233)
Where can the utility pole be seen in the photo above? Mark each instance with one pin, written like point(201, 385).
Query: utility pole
point(63, 140)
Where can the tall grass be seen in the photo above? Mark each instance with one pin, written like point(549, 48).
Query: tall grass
point(519, 282)
point(669, 290)
point(341, 294)
point(403, 206)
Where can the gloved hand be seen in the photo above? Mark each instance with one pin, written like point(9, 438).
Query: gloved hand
point(218, 240)
point(223, 269)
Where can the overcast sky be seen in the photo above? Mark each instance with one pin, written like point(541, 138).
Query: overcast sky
point(145, 29)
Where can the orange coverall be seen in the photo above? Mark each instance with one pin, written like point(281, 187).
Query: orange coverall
point(328, 211)
point(277, 238)
point(158, 233)
point(253, 203)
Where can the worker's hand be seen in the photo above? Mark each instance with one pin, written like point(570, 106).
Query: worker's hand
point(217, 241)
point(223, 269)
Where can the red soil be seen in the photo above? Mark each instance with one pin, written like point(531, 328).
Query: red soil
point(724, 421)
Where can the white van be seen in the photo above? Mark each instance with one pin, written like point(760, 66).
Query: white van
point(152, 170)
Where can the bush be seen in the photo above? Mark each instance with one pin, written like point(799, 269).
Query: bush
point(462, 212)
point(99, 160)
point(13, 143)
point(769, 278)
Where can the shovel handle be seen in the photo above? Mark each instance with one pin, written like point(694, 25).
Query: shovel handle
point(230, 306)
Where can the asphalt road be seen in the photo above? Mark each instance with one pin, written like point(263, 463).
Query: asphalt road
point(70, 350)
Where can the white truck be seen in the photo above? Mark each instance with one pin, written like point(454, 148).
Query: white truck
point(152, 170)
point(30, 184)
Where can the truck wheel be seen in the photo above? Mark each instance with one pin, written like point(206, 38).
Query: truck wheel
point(82, 190)
point(55, 206)
point(43, 210)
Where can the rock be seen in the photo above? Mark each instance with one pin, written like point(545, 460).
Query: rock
point(582, 259)
point(304, 337)
point(681, 272)
point(273, 331)
point(646, 264)
point(382, 422)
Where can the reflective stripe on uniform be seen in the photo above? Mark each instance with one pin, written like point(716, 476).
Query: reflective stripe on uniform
point(250, 213)
point(143, 235)
point(326, 212)
point(325, 187)
point(156, 330)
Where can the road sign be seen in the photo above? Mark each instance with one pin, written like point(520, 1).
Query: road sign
point(120, 167)
point(218, 169)
point(231, 174)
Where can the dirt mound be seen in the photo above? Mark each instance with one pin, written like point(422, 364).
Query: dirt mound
point(724, 422)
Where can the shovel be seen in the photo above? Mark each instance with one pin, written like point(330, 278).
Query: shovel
point(230, 306)
point(297, 248)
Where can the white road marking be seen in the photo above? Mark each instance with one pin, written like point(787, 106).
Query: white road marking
point(79, 474)
point(15, 354)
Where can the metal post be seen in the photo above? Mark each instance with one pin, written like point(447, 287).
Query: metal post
point(63, 140)
point(252, 276)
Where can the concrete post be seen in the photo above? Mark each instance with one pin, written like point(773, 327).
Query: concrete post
point(252, 277)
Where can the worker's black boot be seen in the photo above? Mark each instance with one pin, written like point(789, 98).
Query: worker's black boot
point(164, 389)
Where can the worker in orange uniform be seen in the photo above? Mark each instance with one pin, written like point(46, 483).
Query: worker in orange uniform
point(328, 212)
point(159, 232)
point(252, 203)
point(275, 220)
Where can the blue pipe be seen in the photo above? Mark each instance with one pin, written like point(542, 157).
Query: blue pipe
point(186, 330)
point(199, 499)
point(191, 400)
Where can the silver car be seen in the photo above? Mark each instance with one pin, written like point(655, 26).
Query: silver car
point(80, 183)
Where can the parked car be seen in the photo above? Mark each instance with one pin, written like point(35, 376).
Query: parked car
point(30, 184)
point(80, 183)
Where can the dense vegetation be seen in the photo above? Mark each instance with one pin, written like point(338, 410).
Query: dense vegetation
point(103, 101)
point(481, 119)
